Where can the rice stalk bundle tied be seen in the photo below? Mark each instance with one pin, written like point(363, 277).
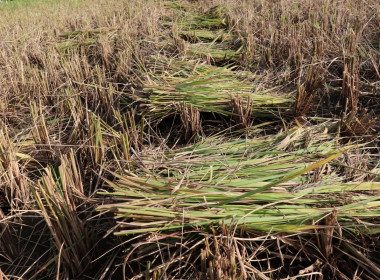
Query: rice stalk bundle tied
point(266, 189)
point(208, 89)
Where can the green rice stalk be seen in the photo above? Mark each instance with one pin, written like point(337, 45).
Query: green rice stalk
point(207, 35)
point(214, 18)
point(214, 53)
point(190, 187)
point(208, 89)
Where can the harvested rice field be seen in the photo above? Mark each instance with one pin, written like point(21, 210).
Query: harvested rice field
point(190, 139)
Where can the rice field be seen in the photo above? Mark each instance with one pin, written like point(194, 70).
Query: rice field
point(182, 139)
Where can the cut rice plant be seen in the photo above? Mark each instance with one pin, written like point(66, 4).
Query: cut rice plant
point(217, 47)
point(210, 36)
point(203, 22)
point(206, 198)
point(97, 44)
point(216, 54)
point(260, 184)
point(208, 89)
point(179, 5)
point(204, 35)
point(217, 156)
point(214, 18)
point(150, 207)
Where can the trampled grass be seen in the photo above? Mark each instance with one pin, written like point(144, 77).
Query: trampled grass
point(212, 139)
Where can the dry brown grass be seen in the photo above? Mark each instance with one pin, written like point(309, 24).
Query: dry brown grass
point(73, 115)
